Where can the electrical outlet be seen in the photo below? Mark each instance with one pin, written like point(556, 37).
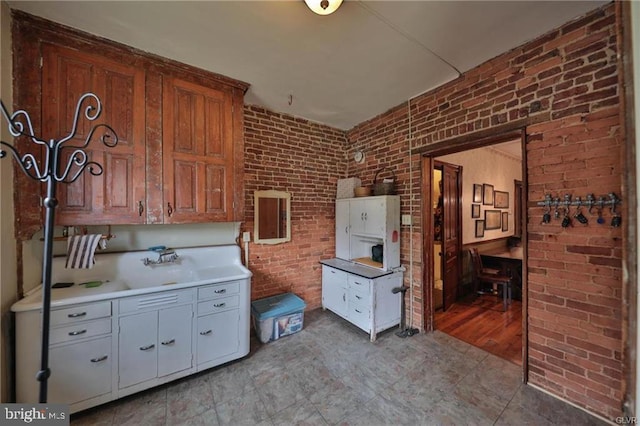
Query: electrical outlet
point(406, 219)
point(246, 237)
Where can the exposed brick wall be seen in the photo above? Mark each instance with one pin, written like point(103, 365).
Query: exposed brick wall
point(574, 275)
point(291, 154)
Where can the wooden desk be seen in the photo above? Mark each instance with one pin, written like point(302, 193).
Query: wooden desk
point(509, 262)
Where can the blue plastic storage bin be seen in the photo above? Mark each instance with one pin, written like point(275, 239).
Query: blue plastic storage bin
point(277, 316)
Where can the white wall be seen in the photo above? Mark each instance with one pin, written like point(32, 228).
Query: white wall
point(479, 166)
point(8, 276)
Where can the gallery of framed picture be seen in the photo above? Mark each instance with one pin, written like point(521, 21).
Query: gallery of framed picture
point(486, 209)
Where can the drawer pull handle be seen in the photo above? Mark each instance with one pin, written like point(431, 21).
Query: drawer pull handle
point(77, 314)
point(344, 297)
point(100, 358)
point(358, 311)
point(358, 297)
point(222, 290)
point(77, 333)
point(219, 305)
point(357, 283)
point(169, 342)
point(206, 333)
point(148, 347)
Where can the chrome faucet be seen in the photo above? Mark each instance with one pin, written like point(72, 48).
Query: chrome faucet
point(164, 256)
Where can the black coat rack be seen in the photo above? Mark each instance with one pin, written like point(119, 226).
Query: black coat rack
point(52, 171)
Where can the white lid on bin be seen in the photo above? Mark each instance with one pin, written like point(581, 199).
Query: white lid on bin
point(276, 306)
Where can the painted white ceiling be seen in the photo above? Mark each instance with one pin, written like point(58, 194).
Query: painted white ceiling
point(340, 69)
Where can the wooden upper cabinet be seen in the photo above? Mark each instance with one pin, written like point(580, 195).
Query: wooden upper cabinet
point(117, 195)
point(198, 153)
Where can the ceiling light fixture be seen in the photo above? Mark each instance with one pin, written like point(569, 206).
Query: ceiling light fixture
point(323, 7)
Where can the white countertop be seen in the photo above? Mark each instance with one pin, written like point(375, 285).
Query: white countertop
point(124, 275)
point(356, 268)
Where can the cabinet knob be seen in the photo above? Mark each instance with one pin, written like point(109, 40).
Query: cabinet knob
point(206, 333)
point(169, 342)
point(77, 333)
point(147, 348)
point(140, 208)
point(100, 358)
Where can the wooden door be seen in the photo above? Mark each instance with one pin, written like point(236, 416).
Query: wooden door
point(197, 151)
point(118, 193)
point(451, 232)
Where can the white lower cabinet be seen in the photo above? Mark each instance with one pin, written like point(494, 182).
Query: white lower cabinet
point(221, 324)
point(154, 344)
point(217, 336)
point(87, 365)
point(108, 349)
point(368, 303)
point(334, 290)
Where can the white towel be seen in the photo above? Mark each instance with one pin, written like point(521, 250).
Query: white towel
point(80, 251)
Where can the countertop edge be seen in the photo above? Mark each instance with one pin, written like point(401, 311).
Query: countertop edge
point(34, 300)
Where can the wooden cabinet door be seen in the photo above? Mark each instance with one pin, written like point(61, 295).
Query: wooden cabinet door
point(118, 193)
point(197, 151)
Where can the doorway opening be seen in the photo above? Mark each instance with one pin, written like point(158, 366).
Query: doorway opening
point(482, 210)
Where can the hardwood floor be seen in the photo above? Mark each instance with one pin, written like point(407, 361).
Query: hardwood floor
point(481, 322)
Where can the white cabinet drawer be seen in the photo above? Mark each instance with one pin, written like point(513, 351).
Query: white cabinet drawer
point(80, 313)
point(218, 305)
point(359, 315)
point(359, 296)
point(155, 300)
point(219, 290)
point(80, 330)
point(334, 277)
point(359, 283)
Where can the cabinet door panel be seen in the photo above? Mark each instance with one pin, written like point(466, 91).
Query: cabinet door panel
point(342, 230)
point(174, 338)
point(138, 348)
point(80, 371)
point(113, 196)
point(197, 152)
point(218, 335)
point(334, 290)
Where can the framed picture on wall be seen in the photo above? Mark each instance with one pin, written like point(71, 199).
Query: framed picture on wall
point(505, 221)
point(487, 194)
point(492, 219)
point(479, 228)
point(477, 193)
point(500, 200)
point(475, 210)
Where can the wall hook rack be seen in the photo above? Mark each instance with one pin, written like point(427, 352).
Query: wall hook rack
point(561, 208)
point(52, 170)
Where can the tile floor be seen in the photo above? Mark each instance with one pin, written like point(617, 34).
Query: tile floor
point(330, 374)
